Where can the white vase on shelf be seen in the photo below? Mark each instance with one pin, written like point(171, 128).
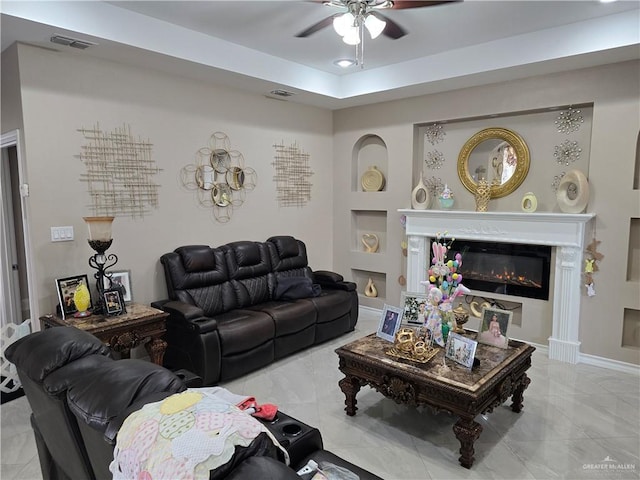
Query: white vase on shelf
point(420, 198)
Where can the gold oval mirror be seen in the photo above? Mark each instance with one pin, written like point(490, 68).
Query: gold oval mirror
point(498, 155)
point(205, 177)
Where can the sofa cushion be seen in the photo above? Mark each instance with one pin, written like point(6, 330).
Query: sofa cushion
point(250, 272)
point(289, 317)
point(58, 381)
point(332, 304)
point(40, 353)
point(242, 330)
point(288, 255)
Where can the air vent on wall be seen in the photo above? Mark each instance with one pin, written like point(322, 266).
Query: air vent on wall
point(281, 93)
point(71, 42)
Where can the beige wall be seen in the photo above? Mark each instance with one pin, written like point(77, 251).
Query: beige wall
point(64, 92)
point(614, 92)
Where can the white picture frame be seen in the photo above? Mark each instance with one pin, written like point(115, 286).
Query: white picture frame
point(414, 306)
point(461, 349)
point(120, 279)
point(389, 322)
point(494, 327)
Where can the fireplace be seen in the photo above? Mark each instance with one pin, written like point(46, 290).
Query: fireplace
point(506, 268)
point(564, 233)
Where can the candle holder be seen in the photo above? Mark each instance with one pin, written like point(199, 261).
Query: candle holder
point(100, 240)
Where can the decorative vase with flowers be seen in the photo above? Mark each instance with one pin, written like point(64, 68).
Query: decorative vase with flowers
point(443, 286)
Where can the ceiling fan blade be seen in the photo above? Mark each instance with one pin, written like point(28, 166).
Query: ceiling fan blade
point(316, 26)
point(401, 5)
point(392, 29)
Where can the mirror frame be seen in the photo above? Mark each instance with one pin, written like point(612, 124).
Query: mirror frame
point(509, 136)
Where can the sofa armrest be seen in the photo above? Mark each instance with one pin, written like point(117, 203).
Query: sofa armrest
point(189, 316)
point(332, 280)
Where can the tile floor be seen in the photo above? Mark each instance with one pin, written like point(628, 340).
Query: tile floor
point(578, 422)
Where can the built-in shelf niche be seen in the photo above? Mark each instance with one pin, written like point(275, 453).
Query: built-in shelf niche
point(369, 151)
point(633, 256)
point(631, 328)
point(361, 278)
point(636, 169)
point(368, 222)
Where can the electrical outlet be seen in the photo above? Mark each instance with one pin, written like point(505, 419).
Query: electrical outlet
point(62, 234)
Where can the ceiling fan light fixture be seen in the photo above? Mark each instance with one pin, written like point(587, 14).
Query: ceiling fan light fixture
point(342, 23)
point(352, 37)
point(374, 25)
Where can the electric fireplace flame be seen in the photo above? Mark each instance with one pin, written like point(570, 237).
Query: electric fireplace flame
point(511, 269)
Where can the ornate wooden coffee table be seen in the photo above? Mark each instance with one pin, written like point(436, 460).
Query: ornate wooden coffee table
point(455, 389)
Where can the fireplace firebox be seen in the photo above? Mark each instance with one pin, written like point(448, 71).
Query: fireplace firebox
point(506, 268)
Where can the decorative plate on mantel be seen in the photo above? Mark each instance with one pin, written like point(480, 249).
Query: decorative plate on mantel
point(372, 180)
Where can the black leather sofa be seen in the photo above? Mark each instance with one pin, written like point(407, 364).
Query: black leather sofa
point(230, 313)
point(80, 397)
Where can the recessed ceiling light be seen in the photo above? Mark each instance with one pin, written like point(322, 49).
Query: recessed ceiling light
point(607, 1)
point(345, 62)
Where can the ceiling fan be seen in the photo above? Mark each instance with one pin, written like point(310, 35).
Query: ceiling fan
point(367, 11)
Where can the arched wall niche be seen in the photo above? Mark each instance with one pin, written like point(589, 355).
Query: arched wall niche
point(369, 151)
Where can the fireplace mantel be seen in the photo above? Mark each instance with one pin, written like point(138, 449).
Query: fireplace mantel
point(564, 231)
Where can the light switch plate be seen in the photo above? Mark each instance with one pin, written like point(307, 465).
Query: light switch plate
point(62, 234)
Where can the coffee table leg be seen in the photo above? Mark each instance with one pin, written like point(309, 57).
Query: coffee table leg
point(518, 394)
point(350, 386)
point(467, 432)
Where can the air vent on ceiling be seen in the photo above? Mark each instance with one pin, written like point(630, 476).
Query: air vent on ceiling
point(282, 93)
point(71, 42)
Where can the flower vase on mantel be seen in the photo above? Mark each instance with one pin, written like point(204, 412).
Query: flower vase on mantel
point(446, 199)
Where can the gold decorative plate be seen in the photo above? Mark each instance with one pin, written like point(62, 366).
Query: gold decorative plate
point(372, 180)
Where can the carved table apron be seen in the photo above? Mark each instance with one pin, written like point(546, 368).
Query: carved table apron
point(458, 390)
point(122, 332)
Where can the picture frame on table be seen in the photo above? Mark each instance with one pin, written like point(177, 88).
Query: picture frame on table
point(494, 327)
point(414, 307)
point(113, 302)
point(461, 349)
point(122, 279)
point(66, 288)
point(389, 322)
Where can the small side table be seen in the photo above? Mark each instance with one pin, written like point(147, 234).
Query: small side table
point(122, 332)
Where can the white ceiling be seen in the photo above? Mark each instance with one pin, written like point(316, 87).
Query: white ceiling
point(252, 45)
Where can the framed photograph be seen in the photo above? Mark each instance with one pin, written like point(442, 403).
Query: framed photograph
point(66, 287)
point(389, 322)
point(494, 327)
point(414, 307)
point(113, 302)
point(120, 279)
point(461, 349)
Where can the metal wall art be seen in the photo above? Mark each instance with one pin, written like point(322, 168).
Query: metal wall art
point(567, 152)
point(434, 133)
point(292, 176)
point(120, 172)
point(220, 177)
point(434, 160)
point(569, 121)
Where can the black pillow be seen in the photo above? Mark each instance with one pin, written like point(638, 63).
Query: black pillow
point(292, 288)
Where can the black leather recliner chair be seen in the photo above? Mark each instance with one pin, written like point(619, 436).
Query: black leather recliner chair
point(80, 397)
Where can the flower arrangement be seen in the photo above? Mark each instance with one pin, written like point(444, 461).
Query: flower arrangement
point(443, 286)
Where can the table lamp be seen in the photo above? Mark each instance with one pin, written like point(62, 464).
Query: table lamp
point(100, 240)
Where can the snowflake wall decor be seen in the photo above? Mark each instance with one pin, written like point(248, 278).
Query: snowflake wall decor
point(569, 121)
point(434, 159)
point(567, 152)
point(434, 133)
point(435, 186)
point(556, 181)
